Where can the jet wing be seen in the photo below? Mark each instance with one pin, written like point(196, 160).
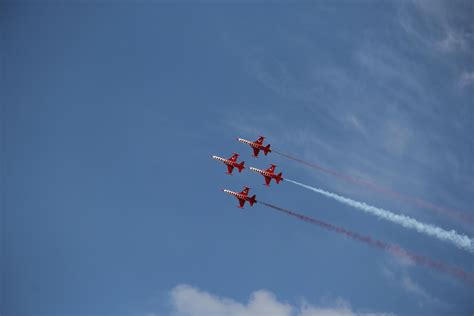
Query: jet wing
point(234, 157)
point(241, 202)
point(271, 169)
point(245, 191)
point(230, 168)
point(267, 180)
point(255, 151)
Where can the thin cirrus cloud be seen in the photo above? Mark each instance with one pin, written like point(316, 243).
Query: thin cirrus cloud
point(444, 28)
point(381, 88)
point(187, 300)
point(396, 274)
point(467, 79)
point(440, 25)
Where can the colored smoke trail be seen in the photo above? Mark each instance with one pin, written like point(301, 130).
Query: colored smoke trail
point(394, 249)
point(459, 240)
point(387, 191)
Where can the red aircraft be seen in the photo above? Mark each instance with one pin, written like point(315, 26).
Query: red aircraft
point(257, 145)
point(242, 196)
point(231, 163)
point(269, 174)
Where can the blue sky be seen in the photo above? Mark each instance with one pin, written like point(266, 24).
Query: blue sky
point(111, 111)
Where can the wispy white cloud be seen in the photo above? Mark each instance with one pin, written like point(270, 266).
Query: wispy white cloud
point(397, 273)
point(413, 287)
point(355, 122)
point(439, 24)
point(452, 41)
point(384, 99)
point(467, 79)
point(187, 300)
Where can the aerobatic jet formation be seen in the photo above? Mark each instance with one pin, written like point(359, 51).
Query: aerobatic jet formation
point(257, 145)
point(242, 196)
point(269, 174)
point(231, 163)
point(460, 240)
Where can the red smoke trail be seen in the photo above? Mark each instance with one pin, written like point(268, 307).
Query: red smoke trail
point(394, 249)
point(410, 200)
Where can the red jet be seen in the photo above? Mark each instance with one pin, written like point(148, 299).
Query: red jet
point(269, 174)
point(257, 145)
point(242, 197)
point(231, 163)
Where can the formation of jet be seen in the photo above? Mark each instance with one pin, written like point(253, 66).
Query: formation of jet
point(269, 174)
point(257, 145)
point(243, 196)
point(231, 163)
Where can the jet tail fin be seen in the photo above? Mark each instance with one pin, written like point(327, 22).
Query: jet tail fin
point(266, 149)
point(241, 166)
point(252, 200)
point(278, 178)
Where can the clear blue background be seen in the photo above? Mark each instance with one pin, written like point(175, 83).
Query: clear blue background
point(111, 111)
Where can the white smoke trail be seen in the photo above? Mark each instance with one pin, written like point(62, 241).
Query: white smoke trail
point(461, 241)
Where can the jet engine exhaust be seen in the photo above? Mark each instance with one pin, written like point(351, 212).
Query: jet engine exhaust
point(393, 249)
point(387, 191)
point(459, 240)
